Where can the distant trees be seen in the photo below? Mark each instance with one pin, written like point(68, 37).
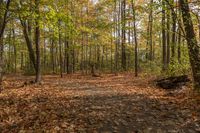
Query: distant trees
point(106, 36)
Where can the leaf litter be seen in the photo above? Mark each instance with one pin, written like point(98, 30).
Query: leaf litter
point(112, 103)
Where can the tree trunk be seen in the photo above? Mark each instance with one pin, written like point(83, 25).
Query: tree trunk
point(179, 46)
point(37, 44)
point(194, 51)
point(15, 50)
point(136, 43)
point(1, 63)
point(150, 32)
point(168, 42)
point(60, 49)
point(173, 31)
point(164, 36)
point(123, 43)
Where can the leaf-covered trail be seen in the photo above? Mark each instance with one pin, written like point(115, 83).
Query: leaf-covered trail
point(86, 104)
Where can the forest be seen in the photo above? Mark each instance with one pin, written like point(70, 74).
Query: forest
point(98, 66)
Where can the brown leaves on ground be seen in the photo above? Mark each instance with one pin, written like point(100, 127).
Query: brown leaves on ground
point(111, 103)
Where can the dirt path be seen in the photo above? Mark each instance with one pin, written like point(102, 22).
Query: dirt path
point(120, 104)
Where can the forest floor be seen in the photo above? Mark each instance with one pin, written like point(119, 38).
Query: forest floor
point(121, 104)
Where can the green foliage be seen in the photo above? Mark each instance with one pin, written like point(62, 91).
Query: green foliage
point(176, 68)
point(28, 70)
point(151, 67)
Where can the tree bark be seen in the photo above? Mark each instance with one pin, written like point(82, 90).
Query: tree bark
point(15, 50)
point(150, 32)
point(60, 49)
point(123, 37)
point(37, 44)
point(194, 51)
point(164, 36)
point(168, 42)
point(173, 31)
point(135, 38)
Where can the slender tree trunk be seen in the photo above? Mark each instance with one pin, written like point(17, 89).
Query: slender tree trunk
point(22, 60)
point(123, 43)
point(9, 65)
point(173, 31)
point(150, 32)
point(15, 50)
point(164, 36)
point(66, 53)
point(116, 18)
point(52, 55)
point(168, 42)
point(44, 53)
point(37, 44)
point(179, 46)
point(135, 38)
point(60, 49)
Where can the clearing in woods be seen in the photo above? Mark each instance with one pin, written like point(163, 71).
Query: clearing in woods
point(86, 104)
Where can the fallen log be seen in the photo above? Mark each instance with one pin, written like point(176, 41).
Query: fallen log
point(173, 82)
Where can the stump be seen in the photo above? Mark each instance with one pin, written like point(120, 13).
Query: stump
point(173, 82)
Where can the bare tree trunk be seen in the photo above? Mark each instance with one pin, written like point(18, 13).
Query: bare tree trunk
point(66, 63)
point(173, 31)
point(37, 44)
point(116, 18)
point(123, 43)
point(22, 60)
point(150, 37)
point(44, 53)
point(164, 36)
point(60, 49)
point(136, 43)
point(15, 50)
point(168, 42)
point(179, 46)
point(52, 51)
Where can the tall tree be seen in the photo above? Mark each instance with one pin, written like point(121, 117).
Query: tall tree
point(194, 50)
point(173, 44)
point(123, 37)
point(135, 38)
point(150, 30)
point(4, 9)
point(164, 53)
point(37, 42)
